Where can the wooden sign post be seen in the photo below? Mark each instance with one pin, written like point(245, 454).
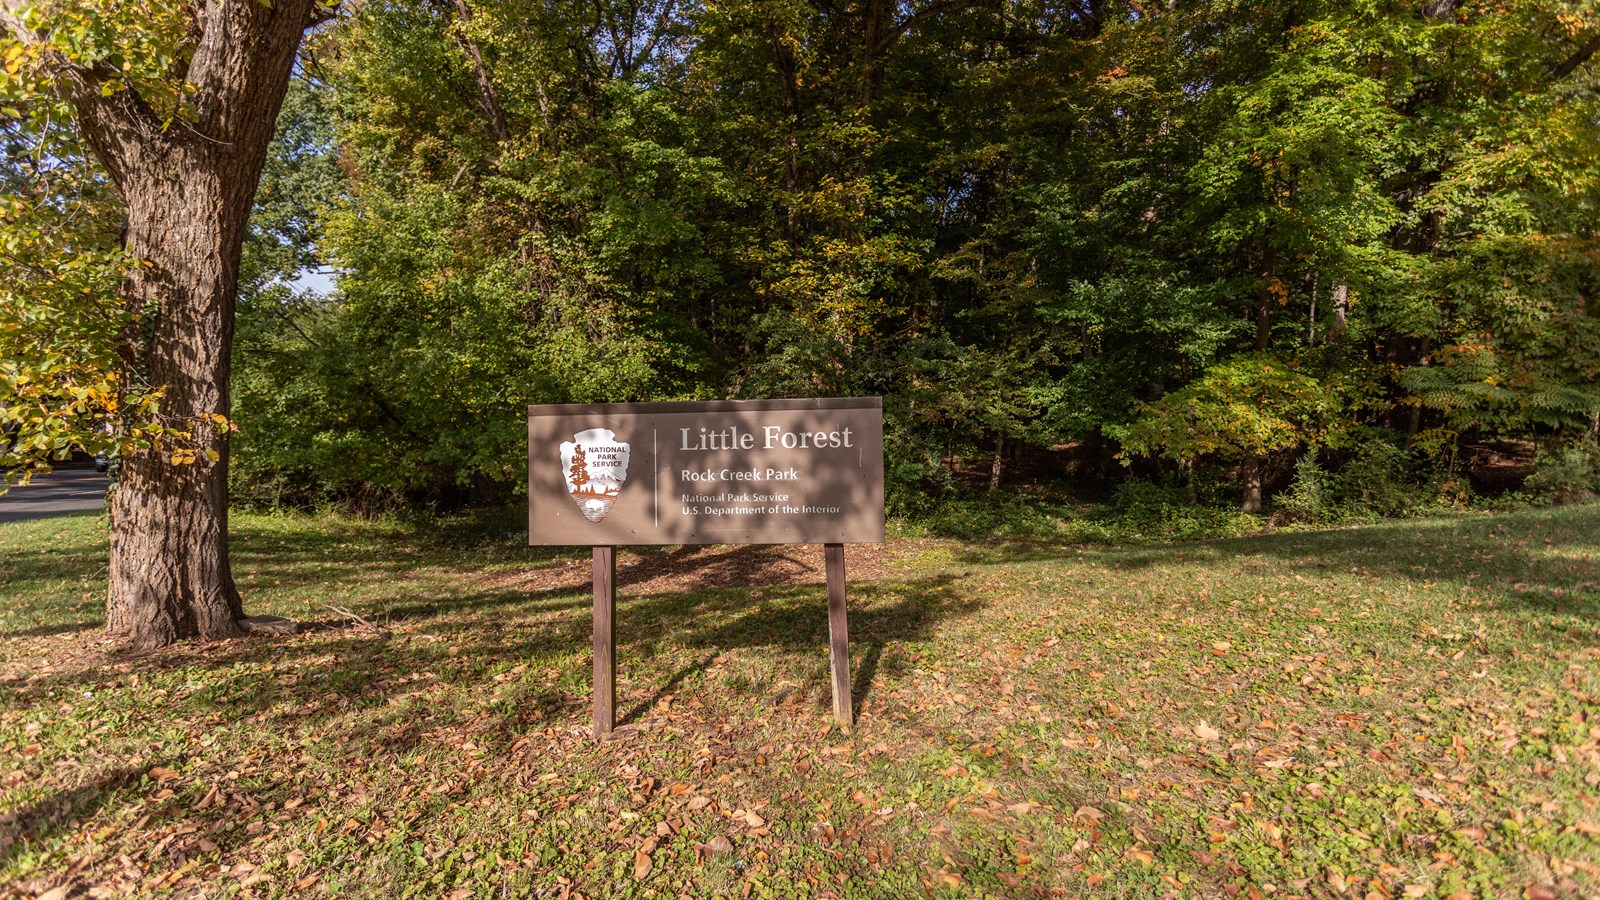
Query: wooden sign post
point(838, 635)
point(724, 472)
point(605, 640)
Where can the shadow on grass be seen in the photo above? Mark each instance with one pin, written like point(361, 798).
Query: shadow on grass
point(287, 551)
point(44, 568)
point(865, 674)
point(685, 569)
point(409, 607)
point(463, 640)
point(357, 700)
point(361, 700)
point(722, 566)
point(39, 821)
point(1544, 575)
point(51, 630)
point(672, 684)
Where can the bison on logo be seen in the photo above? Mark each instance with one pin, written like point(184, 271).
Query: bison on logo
point(596, 464)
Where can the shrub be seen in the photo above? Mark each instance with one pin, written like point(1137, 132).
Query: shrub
point(1377, 479)
point(1145, 510)
point(1380, 479)
point(978, 518)
point(1565, 475)
point(1310, 497)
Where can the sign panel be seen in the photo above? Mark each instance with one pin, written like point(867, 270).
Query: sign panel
point(722, 472)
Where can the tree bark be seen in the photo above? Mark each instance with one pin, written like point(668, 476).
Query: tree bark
point(169, 576)
point(997, 465)
point(189, 185)
point(1264, 310)
point(1311, 333)
point(1439, 10)
point(1341, 309)
point(1414, 419)
point(873, 15)
point(1252, 483)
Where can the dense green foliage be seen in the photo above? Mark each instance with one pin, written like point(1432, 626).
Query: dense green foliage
point(73, 347)
point(59, 322)
point(1186, 236)
point(61, 325)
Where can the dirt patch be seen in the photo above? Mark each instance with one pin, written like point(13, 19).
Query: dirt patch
point(1499, 467)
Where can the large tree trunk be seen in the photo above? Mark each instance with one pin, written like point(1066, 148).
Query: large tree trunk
point(189, 183)
point(169, 522)
point(1251, 470)
point(997, 464)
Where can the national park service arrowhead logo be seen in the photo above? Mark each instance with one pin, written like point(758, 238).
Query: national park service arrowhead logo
point(596, 464)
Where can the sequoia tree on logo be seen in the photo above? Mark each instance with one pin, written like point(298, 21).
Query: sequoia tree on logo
point(596, 464)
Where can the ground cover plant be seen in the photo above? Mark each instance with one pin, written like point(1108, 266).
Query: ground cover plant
point(1402, 710)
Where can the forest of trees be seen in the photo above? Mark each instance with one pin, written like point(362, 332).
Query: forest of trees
point(1235, 246)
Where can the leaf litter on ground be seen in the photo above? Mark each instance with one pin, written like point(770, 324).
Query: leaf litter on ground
point(1289, 715)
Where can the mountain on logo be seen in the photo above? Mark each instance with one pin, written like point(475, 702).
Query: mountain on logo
point(596, 465)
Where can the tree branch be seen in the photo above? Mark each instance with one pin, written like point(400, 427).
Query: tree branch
point(488, 99)
point(323, 12)
point(663, 21)
point(1439, 10)
point(1571, 63)
point(923, 15)
point(114, 124)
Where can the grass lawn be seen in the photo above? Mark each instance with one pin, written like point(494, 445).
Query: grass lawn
point(1404, 710)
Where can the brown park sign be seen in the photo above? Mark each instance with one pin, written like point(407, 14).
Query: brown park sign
point(724, 472)
point(720, 472)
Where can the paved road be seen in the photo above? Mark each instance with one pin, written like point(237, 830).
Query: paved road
point(57, 494)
